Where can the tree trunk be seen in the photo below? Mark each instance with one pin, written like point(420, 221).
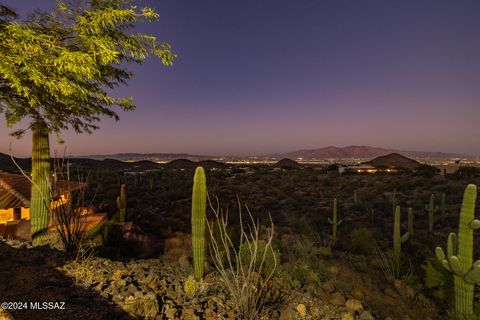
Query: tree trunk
point(41, 196)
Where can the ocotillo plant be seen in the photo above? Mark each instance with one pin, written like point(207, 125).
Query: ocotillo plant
point(122, 203)
point(431, 212)
point(459, 259)
point(40, 190)
point(199, 208)
point(397, 238)
point(334, 222)
point(410, 222)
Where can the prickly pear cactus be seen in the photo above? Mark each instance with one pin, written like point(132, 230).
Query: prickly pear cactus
point(459, 258)
point(199, 207)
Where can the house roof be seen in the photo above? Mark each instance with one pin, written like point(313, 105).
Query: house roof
point(15, 190)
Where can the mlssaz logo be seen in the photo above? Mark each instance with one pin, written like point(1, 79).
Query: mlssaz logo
point(47, 305)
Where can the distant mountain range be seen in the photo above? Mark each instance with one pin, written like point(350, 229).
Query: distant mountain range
point(147, 156)
point(364, 152)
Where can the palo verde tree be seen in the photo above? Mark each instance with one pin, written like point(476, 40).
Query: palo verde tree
point(57, 69)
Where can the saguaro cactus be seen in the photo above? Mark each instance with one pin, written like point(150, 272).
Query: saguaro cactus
point(40, 190)
point(410, 222)
point(459, 259)
point(122, 203)
point(442, 204)
point(334, 222)
point(397, 238)
point(199, 208)
point(431, 212)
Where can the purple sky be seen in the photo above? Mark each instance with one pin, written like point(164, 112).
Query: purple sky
point(256, 77)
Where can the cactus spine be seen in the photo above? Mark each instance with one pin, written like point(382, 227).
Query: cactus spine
point(199, 208)
point(459, 259)
point(122, 203)
point(431, 212)
point(397, 238)
point(334, 222)
point(40, 190)
point(410, 222)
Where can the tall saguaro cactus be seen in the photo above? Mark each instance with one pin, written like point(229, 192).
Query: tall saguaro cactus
point(397, 238)
point(40, 190)
point(122, 203)
point(459, 258)
point(334, 221)
point(431, 212)
point(199, 208)
point(410, 222)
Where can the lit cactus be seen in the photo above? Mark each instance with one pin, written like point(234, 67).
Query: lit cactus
point(122, 203)
point(410, 222)
point(40, 190)
point(199, 208)
point(397, 238)
point(459, 259)
point(334, 222)
point(431, 212)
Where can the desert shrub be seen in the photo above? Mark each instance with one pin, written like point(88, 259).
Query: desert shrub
point(361, 240)
point(249, 284)
point(272, 257)
point(299, 275)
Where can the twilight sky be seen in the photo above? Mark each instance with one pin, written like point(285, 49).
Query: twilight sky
point(263, 76)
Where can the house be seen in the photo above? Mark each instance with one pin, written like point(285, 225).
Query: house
point(15, 195)
point(364, 168)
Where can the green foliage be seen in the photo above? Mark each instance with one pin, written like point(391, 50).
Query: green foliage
point(259, 249)
point(334, 222)
point(199, 207)
point(299, 275)
point(459, 258)
point(324, 251)
point(361, 240)
point(60, 67)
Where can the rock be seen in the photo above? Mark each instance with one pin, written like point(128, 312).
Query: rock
point(146, 306)
point(188, 314)
point(302, 310)
point(357, 294)
point(328, 287)
point(337, 299)
point(354, 304)
point(365, 315)
point(287, 313)
point(347, 316)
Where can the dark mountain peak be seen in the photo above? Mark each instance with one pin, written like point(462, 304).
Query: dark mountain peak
point(394, 160)
point(287, 163)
